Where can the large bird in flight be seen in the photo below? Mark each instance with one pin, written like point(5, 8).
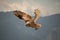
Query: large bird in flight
point(29, 21)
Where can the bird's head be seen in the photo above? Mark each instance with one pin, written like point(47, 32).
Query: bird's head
point(15, 13)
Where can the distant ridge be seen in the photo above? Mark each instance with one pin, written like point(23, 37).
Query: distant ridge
point(13, 13)
point(10, 24)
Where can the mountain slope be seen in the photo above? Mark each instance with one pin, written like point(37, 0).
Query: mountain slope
point(12, 28)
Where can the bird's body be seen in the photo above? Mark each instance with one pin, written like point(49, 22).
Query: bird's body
point(30, 22)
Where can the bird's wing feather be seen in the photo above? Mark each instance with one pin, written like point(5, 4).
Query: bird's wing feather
point(37, 15)
point(27, 17)
point(23, 15)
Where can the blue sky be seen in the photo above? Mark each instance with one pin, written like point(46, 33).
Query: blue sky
point(47, 7)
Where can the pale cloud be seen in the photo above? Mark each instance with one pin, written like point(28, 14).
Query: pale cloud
point(28, 6)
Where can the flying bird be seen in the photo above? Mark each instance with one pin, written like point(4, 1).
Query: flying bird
point(29, 21)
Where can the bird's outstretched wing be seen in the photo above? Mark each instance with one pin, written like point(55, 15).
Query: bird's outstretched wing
point(37, 15)
point(22, 15)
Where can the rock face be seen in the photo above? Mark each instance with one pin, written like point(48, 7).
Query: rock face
point(11, 28)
